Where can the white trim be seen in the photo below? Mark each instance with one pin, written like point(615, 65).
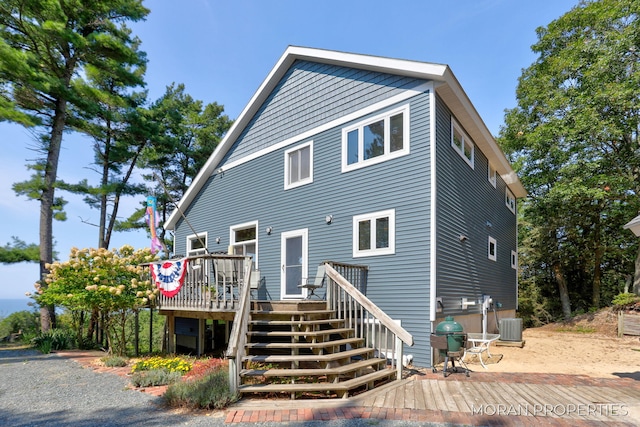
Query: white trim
point(455, 126)
point(243, 226)
point(510, 200)
point(388, 155)
point(299, 182)
point(304, 233)
point(200, 251)
point(492, 175)
point(391, 249)
point(432, 285)
point(514, 260)
point(492, 256)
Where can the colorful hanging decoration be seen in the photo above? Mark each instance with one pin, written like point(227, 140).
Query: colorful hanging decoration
point(168, 276)
point(153, 220)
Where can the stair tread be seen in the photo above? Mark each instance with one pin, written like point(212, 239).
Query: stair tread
point(294, 322)
point(298, 333)
point(304, 344)
point(291, 312)
point(340, 386)
point(338, 370)
point(309, 357)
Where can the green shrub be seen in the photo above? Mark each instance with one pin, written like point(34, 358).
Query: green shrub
point(623, 299)
point(24, 321)
point(55, 339)
point(154, 377)
point(114, 361)
point(209, 392)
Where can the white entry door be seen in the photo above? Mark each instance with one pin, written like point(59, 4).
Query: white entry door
point(294, 253)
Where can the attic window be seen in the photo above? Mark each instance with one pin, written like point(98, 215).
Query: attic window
point(462, 143)
point(375, 140)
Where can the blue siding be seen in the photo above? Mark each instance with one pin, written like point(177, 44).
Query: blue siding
point(466, 203)
point(311, 94)
point(253, 191)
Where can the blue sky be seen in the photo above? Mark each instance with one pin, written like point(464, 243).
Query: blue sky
point(223, 50)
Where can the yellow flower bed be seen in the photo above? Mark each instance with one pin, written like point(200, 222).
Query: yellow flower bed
point(175, 364)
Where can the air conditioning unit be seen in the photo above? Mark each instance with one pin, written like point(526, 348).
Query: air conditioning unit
point(511, 329)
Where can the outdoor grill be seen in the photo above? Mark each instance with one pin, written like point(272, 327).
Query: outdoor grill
point(450, 340)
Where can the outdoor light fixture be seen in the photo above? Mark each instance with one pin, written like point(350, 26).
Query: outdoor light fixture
point(268, 230)
point(218, 240)
point(489, 224)
point(462, 237)
point(328, 219)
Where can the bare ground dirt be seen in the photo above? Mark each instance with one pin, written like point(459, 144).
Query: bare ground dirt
point(588, 345)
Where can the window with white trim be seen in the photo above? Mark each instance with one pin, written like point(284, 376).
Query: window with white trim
point(375, 140)
point(492, 249)
point(462, 143)
point(510, 200)
point(244, 240)
point(514, 260)
point(197, 244)
point(492, 175)
point(298, 165)
point(374, 233)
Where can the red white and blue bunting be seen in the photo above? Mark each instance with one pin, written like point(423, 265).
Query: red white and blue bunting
point(168, 276)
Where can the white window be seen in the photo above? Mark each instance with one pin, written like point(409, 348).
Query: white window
point(244, 240)
point(514, 260)
point(197, 244)
point(374, 234)
point(510, 200)
point(298, 165)
point(462, 143)
point(492, 176)
point(492, 249)
point(376, 140)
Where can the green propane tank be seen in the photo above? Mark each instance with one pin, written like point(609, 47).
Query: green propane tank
point(452, 329)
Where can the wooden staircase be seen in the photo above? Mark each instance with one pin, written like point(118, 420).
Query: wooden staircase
point(301, 349)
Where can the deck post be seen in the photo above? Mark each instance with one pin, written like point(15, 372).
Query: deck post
point(172, 333)
point(399, 356)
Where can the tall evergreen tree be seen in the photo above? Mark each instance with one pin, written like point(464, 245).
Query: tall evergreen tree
point(45, 46)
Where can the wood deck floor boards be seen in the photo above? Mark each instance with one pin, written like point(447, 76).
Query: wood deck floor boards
point(461, 393)
point(420, 400)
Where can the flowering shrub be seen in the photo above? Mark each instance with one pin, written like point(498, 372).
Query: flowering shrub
point(175, 364)
point(101, 280)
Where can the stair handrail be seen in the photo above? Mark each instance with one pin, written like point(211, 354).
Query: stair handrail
point(357, 310)
point(238, 335)
point(368, 305)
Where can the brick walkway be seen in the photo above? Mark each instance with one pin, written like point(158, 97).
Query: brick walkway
point(397, 401)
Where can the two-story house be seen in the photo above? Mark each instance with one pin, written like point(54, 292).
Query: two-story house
point(371, 161)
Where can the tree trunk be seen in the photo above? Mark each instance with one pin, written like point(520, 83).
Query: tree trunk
point(597, 278)
point(563, 290)
point(47, 313)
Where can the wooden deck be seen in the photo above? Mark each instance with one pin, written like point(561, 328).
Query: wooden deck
point(487, 399)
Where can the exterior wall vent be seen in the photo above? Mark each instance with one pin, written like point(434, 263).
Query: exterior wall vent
point(511, 329)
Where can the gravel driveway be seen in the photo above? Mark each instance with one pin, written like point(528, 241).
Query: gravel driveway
point(49, 390)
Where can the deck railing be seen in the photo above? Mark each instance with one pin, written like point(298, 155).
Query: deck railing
point(238, 336)
point(379, 331)
point(212, 283)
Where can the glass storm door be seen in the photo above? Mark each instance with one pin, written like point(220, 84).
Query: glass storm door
point(294, 263)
